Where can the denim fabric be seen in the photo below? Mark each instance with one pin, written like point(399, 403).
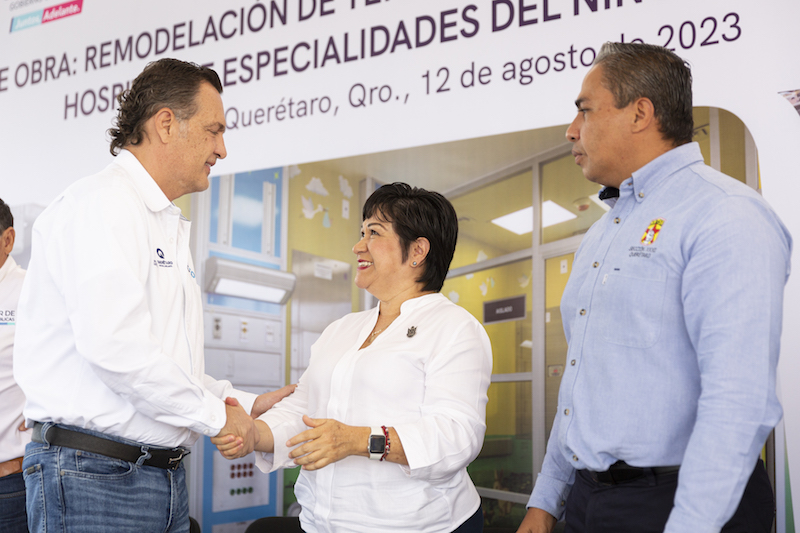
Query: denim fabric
point(72, 490)
point(12, 504)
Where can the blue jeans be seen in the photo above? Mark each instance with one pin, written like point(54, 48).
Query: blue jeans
point(12, 504)
point(77, 491)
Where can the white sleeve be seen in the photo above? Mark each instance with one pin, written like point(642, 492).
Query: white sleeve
point(285, 420)
point(449, 433)
point(222, 389)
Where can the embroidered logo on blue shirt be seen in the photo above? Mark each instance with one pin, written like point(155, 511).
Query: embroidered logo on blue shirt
point(652, 231)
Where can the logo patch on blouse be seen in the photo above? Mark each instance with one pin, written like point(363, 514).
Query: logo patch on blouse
point(652, 231)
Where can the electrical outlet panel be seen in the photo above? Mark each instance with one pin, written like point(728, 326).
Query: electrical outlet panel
point(224, 330)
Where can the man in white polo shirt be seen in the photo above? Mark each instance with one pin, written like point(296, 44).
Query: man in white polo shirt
point(109, 348)
point(12, 440)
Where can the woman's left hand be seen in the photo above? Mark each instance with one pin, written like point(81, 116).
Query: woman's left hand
point(326, 442)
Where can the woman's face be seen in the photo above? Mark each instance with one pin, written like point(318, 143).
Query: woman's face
point(381, 269)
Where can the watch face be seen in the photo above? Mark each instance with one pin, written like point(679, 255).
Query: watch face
point(377, 443)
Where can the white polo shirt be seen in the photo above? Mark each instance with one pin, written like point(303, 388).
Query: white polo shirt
point(12, 441)
point(110, 326)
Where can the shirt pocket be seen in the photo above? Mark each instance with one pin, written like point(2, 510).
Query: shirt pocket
point(630, 306)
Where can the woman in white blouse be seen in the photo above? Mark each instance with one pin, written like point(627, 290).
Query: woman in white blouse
point(392, 407)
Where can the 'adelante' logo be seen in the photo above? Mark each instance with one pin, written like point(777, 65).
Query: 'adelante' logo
point(48, 14)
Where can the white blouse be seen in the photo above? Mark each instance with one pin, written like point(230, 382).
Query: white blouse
point(426, 375)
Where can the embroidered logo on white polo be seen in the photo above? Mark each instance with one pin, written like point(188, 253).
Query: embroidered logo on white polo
point(161, 262)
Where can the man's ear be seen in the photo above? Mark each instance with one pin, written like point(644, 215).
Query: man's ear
point(7, 238)
point(643, 114)
point(165, 124)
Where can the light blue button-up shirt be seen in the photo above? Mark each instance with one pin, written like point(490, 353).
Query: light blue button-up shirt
point(673, 317)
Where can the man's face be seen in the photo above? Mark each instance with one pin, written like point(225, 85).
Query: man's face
point(200, 142)
point(600, 133)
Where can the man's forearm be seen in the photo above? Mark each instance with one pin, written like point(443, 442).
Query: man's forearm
point(537, 521)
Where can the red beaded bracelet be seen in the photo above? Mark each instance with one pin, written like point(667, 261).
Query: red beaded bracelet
point(388, 445)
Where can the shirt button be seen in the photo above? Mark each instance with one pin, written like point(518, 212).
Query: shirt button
point(616, 220)
point(595, 264)
point(572, 362)
point(566, 412)
point(574, 457)
point(171, 239)
point(563, 503)
point(583, 312)
point(641, 195)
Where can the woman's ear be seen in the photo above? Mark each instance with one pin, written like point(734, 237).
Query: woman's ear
point(419, 251)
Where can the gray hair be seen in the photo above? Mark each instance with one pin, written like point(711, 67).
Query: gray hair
point(634, 70)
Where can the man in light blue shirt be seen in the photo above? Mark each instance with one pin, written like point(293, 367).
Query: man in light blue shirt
point(673, 316)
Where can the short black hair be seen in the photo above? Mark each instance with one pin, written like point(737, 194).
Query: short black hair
point(6, 218)
point(416, 213)
point(164, 83)
point(635, 70)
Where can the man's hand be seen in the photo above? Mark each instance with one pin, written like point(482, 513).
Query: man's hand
point(326, 442)
point(537, 521)
point(238, 436)
point(265, 401)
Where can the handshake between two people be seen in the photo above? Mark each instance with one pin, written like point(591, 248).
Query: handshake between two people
point(325, 442)
point(240, 435)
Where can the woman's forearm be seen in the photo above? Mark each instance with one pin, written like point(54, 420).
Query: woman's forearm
point(266, 442)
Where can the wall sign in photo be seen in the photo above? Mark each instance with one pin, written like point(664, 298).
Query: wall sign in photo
point(504, 310)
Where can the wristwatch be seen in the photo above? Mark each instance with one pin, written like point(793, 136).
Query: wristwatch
point(377, 444)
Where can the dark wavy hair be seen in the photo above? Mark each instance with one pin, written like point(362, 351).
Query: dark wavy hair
point(634, 70)
point(6, 218)
point(164, 83)
point(416, 213)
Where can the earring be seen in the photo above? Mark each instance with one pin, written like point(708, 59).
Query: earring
point(414, 263)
